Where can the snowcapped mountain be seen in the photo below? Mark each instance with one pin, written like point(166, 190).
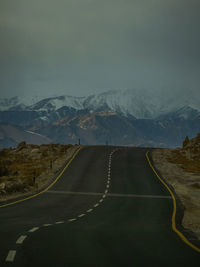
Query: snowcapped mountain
point(126, 102)
point(140, 104)
point(184, 113)
point(56, 103)
point(127, 116)
point(19, 103)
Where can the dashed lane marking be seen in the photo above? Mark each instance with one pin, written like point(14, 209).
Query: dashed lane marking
point(33, 229)
point(59, 222)
point(89, 210)
point(81, 215)
point(11, 255)
point(21, 239)
point(72, 220)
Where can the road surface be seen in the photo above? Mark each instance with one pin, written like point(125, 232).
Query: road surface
point(107, 209)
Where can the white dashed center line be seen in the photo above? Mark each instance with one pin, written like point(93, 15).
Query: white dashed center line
point(11, 255)
point(21, 239)
point(72, 220)
point(33, 229)
point(89, 210)
point(81, 215)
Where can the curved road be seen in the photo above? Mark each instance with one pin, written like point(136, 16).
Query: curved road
point(107, 209)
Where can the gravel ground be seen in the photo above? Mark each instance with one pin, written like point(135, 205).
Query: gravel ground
point(186, 186)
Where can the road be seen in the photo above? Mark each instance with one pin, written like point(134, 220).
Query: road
point(107, 209)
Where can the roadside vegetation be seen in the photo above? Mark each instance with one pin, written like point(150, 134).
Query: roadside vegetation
point(29, 167)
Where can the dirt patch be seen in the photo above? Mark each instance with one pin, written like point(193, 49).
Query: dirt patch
point(181, 170)
point(29, 168)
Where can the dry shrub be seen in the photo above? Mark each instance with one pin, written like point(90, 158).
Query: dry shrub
point(19, 167)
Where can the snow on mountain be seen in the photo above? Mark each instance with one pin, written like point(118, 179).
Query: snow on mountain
point(186, 113)
point(142, 104)
point(125, 102)
point(22, 102)
point(55, 103)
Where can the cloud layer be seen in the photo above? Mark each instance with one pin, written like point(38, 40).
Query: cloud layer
point(84, 46)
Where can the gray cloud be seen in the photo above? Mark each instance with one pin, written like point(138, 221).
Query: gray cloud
point(83, 46)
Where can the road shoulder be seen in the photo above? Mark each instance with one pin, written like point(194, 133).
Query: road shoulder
point(187, 216)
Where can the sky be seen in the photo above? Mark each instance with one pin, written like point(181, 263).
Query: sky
point(80, 47)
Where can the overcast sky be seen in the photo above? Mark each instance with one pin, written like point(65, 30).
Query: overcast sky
point(79, 47)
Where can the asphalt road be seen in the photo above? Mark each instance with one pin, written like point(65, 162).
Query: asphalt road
point(106, 210)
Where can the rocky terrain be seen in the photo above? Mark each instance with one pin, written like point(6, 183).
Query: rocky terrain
point(30, 167)
point(181, 169)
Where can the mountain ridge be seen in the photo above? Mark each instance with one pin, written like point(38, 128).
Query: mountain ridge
point(140, 105)
point(123, 117)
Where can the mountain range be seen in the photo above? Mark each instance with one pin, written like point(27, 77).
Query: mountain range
point(116, 117)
